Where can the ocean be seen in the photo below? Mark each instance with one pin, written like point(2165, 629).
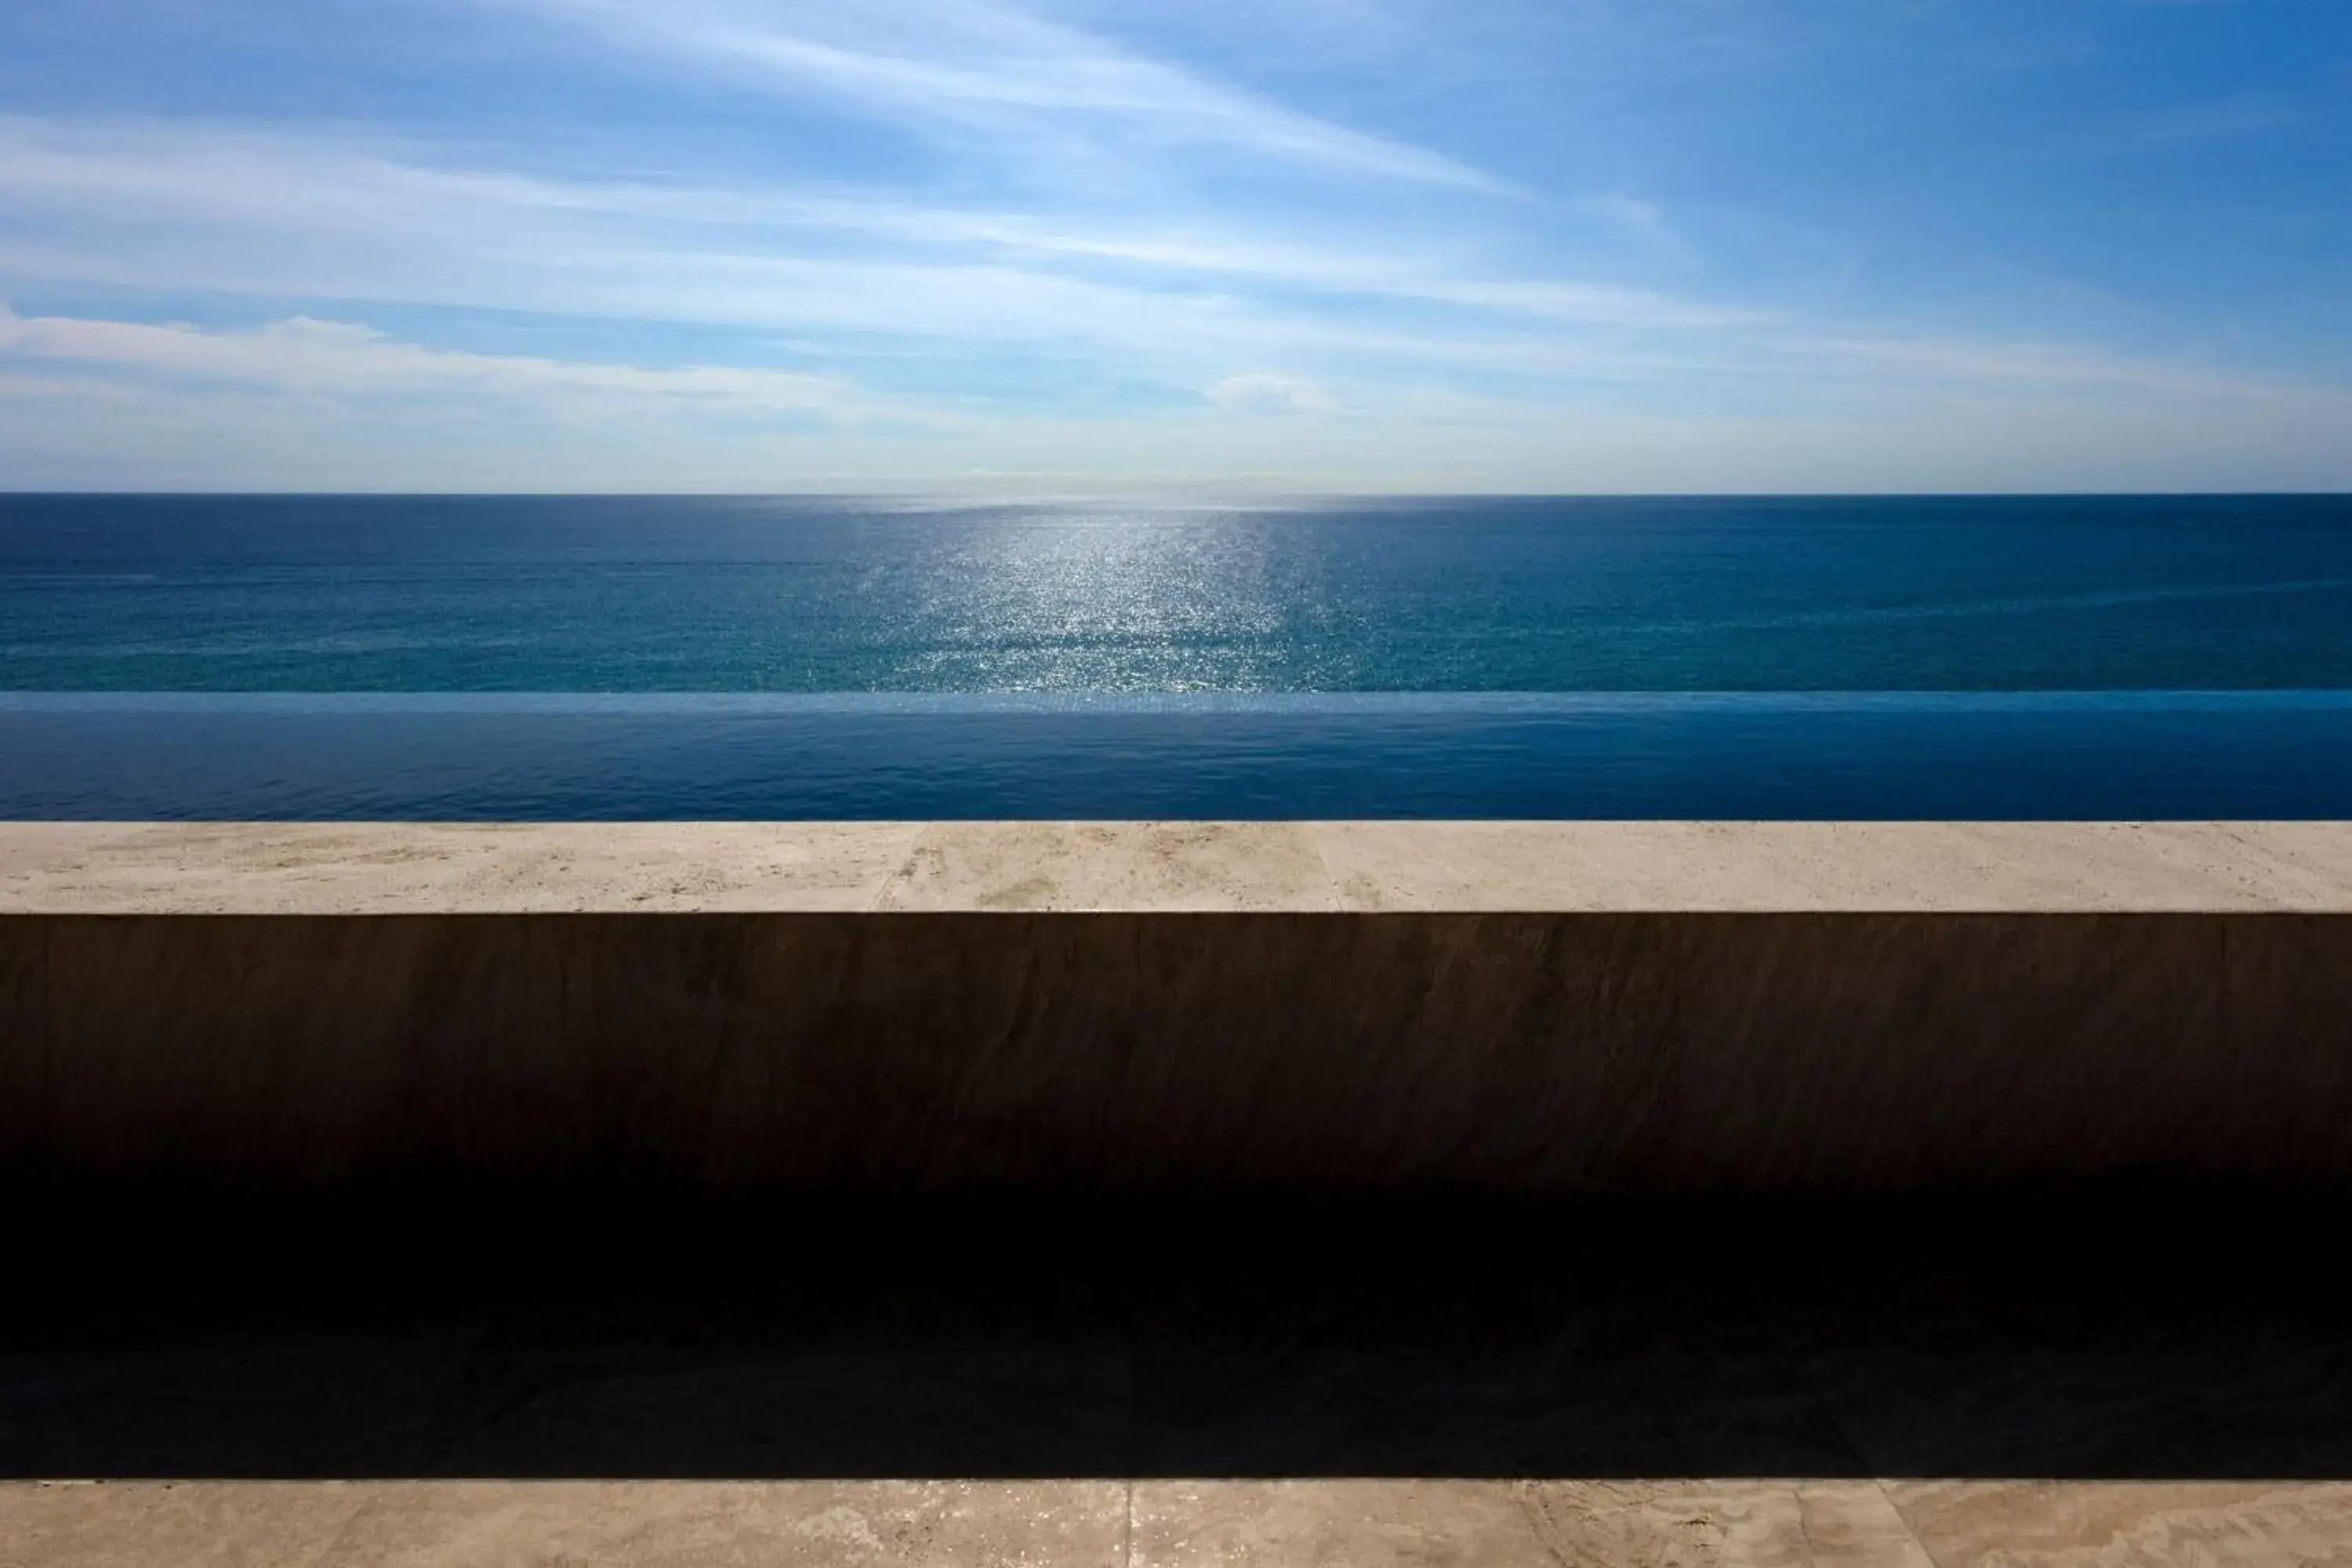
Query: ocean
point(590, 658)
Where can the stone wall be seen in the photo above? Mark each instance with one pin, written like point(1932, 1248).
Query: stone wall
point(1293, 1051)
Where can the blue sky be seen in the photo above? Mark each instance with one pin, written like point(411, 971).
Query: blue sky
point(1071, 246)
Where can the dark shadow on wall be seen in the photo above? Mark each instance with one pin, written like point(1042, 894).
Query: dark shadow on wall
point(2148, 1337)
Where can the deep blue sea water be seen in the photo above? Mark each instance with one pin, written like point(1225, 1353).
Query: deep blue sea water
point(635, 658)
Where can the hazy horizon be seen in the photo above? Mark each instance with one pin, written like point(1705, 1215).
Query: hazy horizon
point(1149, 496)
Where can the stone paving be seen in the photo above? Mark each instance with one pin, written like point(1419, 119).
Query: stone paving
point(1179, 1524)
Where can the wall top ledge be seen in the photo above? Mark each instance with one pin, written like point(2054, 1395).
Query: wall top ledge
point(1141, 866)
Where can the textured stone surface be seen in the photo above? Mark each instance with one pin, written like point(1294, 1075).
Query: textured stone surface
point(1769, 866)
point(1176, 1524)
point(667, 1524)
point(1527, 1524)
point(1828, 866)
point(2127, 1525)
point(167, 1525)
point(1114, 866)
point(24, 1042)
point(322, 1049)
point(1383, 1008)
point(1531, 1009)
point(410, 868)
point(1523, 1052)
point(887, 1524)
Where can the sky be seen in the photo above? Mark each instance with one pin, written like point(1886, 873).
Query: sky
point(1076, 247)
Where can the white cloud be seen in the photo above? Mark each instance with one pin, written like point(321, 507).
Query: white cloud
point(303, 355)
point(1928, 360)
point(967, 61)
point(212, 207)
point(1452, 368)
point(2194, 124)
point(1261, 392)
point(1645, 223)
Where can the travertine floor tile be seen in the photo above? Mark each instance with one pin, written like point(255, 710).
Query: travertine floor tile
point(2128, 1524)
point(790, 1524)
point(172, 1525)
point(1176, 1524)
point(1539, 1524)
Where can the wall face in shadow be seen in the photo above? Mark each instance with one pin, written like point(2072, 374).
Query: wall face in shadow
point(1521, 1055)
point(224, 1338)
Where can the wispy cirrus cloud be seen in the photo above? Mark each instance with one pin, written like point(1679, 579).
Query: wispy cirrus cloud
point(701, 250)
point(1991, 362)
point(304, 355)
point(2215, 120)
point(931, 62)
point(1123, 236)
point(1196, 314)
